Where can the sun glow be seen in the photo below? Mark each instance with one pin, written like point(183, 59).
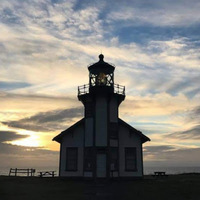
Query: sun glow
point(32, 140)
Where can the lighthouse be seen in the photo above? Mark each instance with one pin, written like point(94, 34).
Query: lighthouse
point(101, 145)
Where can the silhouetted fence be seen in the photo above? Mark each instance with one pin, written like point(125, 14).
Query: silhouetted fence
point(27, 172)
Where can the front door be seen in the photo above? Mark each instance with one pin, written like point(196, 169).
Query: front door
point(101, 165)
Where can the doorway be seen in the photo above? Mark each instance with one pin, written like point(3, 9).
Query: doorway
point(101, 165)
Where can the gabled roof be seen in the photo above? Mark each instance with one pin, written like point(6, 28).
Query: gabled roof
point(59, 137)
point(133, 130)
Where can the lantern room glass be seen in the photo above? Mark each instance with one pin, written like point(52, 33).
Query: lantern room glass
point(101, 79)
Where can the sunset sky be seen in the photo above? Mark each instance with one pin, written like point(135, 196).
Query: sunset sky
point(46, 46)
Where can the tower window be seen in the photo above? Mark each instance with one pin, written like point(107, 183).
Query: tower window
point(88, 155)
point(89, 109)
point(113, 158)
point(113, 129)
point(130, 159)
point(71, 159)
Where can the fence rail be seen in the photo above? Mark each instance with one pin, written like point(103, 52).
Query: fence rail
point(85, 89)
point(119, 89)
point(16, 171)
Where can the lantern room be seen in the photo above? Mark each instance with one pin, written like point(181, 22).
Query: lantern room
point(101, 73)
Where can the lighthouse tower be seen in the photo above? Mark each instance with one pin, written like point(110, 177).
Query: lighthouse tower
point(101, 99)
point(101, 145)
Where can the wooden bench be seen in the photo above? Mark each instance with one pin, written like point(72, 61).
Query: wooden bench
point(47, 173)
point(16, 171)
point(159, 173)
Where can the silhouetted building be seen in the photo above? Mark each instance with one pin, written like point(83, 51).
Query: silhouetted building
point(101, 145)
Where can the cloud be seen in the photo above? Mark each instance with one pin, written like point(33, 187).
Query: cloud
point(56, 34)
point(170, 13)
point(194, 115)
point(17, 106)
point(47, 121)
point(191, 134)
point(20, 150)
point(12, 85)
point(171, 156)
point(156, 105)
point(158, 149)
point(19, 156)
point(6, 136)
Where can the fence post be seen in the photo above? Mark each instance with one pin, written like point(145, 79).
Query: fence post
point(10, 171)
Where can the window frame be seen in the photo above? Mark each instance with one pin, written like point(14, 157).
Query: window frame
point(88, 158)
point(126, 159)
point(76, 158)
point(113, 128)
point(117, 160)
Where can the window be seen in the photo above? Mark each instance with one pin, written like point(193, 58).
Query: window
point(113, 158)
point(88, 155)
point(113, 129)
point(72, 159)
point(89, 109)
point(130, 159)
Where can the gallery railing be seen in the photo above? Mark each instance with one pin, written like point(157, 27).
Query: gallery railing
point(85, 89)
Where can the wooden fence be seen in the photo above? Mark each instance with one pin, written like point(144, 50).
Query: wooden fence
point(16, 171)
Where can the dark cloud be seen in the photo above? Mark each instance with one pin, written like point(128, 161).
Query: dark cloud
point(158, 149)
point(21, 156)
point(10, 136)
point(10, 149)
point(187, 85)
point(7, 96)
point(47, 121)
point(195, 114)
point(193, 133)
point(171, 156)
point(4, 85)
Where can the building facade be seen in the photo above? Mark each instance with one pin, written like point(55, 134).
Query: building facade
point(101, 145)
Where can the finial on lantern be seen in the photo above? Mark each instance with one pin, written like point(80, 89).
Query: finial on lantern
point(101, 56)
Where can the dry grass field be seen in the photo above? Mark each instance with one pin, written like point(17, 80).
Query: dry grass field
point(173, 187)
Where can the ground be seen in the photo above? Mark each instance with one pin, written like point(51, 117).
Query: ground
point(173, 187)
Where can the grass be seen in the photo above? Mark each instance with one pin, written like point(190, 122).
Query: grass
point(173, 187)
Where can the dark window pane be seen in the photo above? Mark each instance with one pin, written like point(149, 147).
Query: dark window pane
point(72, 159)
point(113, 129)
point(89, 109)
point(130, 164)
point(88, 159)
point(114, 159)
point(71, 153)
point(130, 159)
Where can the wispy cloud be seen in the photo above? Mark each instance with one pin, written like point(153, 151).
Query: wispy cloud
point(171, 156)
point(171, 13)
point(6, 136)
point(47, 121)
point(19, 156)
point(192, 133)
